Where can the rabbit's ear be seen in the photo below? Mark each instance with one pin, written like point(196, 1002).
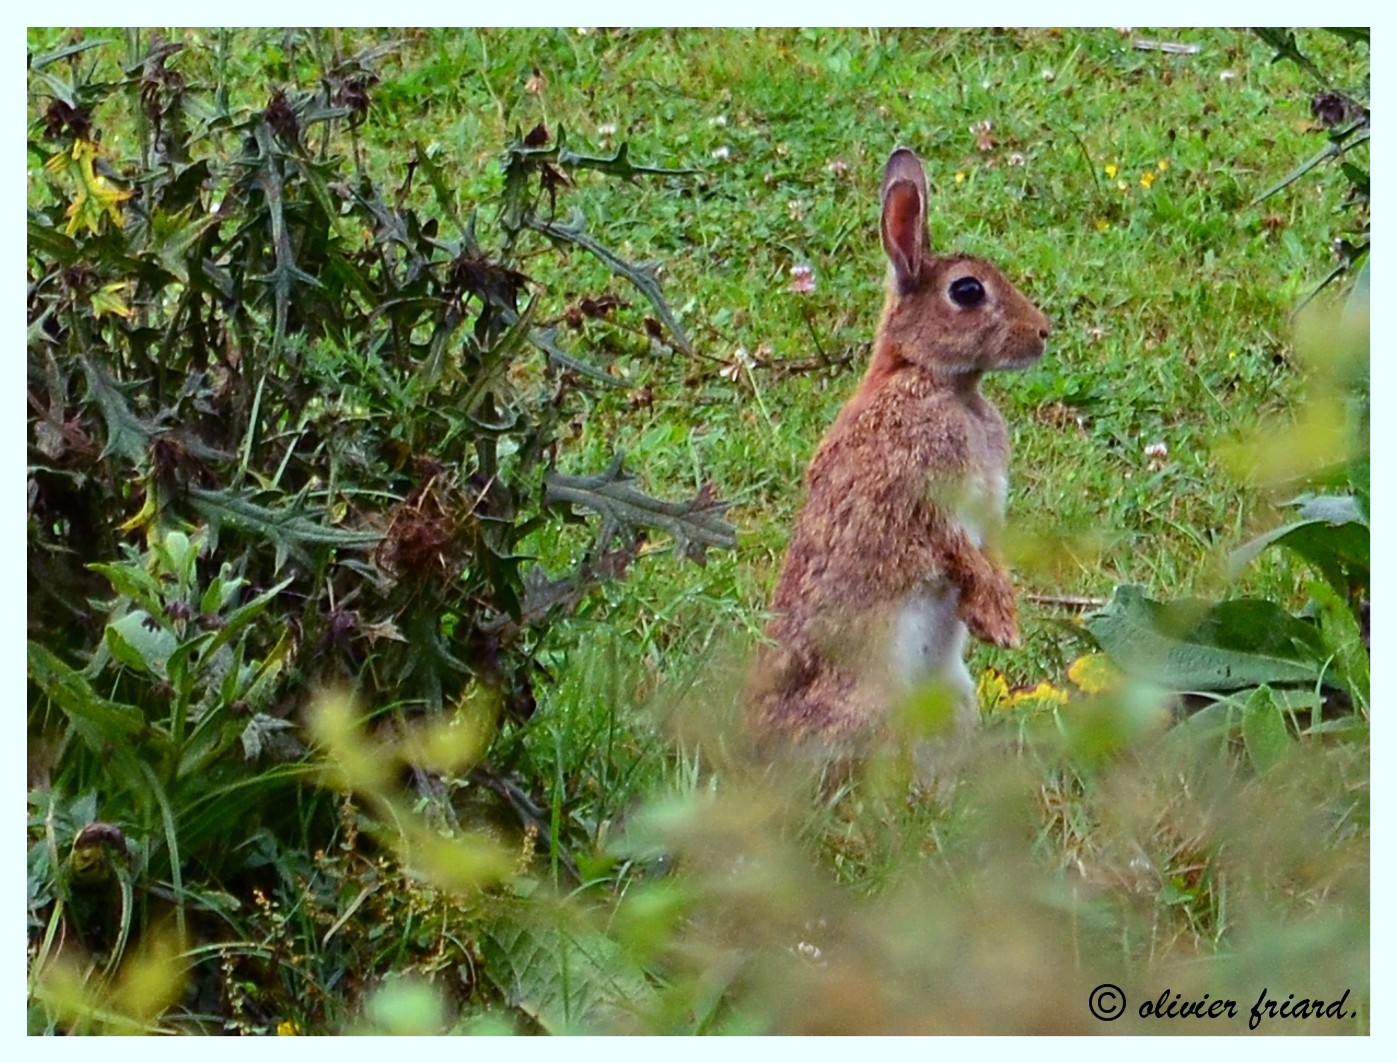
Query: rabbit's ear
point(904, 216)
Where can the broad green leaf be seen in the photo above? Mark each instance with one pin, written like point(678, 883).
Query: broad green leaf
point(74, 695)
point(1332, 509)
point(568, 979)
point(244, 615)
point(44, 238)
point(140, 643)
point(123, 651)
point(177, 554)
point(191, 649)
point(57, 87)
point(235, 676)
point(1264, 729)
point(1345, 633)
point(1332, 536)
point(134, 582)
point(221, 591)
point(216, 733)
point(1194, 645)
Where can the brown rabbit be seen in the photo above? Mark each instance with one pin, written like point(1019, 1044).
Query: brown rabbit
point(892, 558)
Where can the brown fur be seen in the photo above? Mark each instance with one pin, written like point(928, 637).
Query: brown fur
point(910, 464)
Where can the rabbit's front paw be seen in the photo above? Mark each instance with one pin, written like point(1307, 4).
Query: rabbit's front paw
point(991, 614)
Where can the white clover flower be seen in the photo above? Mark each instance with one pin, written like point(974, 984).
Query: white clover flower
point(809, 952)
point(802, 278)
point(740, 362)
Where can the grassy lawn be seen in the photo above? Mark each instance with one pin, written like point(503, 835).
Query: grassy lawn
point(653, 881)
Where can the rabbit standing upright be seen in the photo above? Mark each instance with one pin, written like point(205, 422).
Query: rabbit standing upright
point(893, 558)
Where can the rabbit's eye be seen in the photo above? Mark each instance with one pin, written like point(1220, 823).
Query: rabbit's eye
point(967, 292)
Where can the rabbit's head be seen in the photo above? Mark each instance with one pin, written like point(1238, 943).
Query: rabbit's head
point(950, 314)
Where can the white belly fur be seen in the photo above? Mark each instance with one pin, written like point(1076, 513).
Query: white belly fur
point(928, 638)
point(928, 643)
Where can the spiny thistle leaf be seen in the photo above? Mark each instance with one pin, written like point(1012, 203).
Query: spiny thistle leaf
point(127, 434)
point(286, 527)
point(695, 525)
point(94, 196)
point(642, 276)
point(269, 180)
point(546, 340)
point(38, 62)
point(1341, 143)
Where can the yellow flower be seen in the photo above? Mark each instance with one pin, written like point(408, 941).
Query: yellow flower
point(1111, 170)
point(1042, 696)
point(1147, 178)
point(992, 688)
point(1102, 225)
point(960, 177)
point(1094, 674)
point(1162, 165)
point(287, 1028)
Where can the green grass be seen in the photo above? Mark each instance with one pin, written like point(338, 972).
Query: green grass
point(1170, 302)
